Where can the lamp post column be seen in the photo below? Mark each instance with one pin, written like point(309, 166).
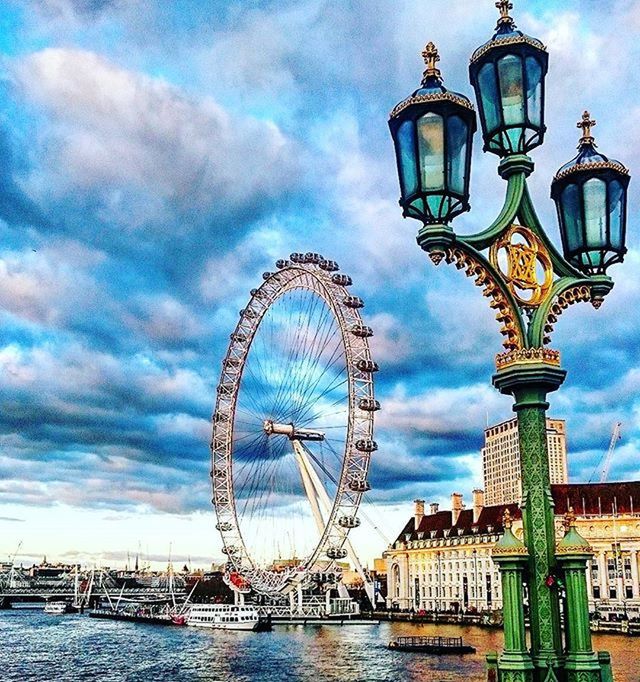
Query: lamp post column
point(529, 383)
point(573, 553)
point(511, 556)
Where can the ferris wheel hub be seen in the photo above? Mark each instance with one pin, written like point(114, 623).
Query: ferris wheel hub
point(290, 431)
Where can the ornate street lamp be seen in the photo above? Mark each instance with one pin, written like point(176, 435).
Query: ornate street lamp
point(433, 132)
point(527, 281)
point(507, 74)
point(591, 198)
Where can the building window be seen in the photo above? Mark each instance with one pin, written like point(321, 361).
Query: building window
point(629, 592)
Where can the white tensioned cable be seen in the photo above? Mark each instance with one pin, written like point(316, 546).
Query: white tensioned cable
point(311, 272)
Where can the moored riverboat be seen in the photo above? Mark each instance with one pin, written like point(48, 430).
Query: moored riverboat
point(227, 617)
point(59, 607)
point(432, 645)
point(137, 616)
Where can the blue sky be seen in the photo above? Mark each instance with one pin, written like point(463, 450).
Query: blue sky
point(157, 157)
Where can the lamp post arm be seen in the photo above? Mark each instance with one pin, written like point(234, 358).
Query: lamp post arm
point(466, 257)
point(528, 216)
point(565, 292)
point(516, 189)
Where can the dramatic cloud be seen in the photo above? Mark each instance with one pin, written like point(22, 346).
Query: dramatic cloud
point(159, 157)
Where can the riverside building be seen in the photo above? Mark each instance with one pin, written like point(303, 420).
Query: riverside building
point(501, 459)
point(441, 560)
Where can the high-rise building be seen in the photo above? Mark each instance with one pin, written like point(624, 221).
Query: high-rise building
point(501, 460)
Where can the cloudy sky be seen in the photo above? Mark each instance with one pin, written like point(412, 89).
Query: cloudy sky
point(158, 156)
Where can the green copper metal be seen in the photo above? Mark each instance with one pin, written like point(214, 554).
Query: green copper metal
point(511, 556)
point(529, 384)
point(581, 664)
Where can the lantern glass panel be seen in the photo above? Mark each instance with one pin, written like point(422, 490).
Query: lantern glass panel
point(510, 72)
point(438, 205)
point(534, 91)
point(595, 213)
point(616, 198)
point(572, 214)
point(489, 89)
point(456, 153)
point(407, 158)
point(431, 145)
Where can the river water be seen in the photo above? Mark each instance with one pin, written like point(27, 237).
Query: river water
point(36, 646)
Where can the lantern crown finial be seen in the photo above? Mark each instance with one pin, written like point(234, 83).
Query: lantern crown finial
point(505, 19)
point(431, 58)
point(569, 519)
point(506, 519)
point(586, 123)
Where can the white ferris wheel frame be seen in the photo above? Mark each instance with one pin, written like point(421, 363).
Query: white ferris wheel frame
point(312, 272)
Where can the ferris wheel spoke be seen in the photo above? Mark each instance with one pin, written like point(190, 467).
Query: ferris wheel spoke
point(324, 328)
point(296, 346)
point(322, 395)
point(311, 398)
point(324, 334)
point(303, 396)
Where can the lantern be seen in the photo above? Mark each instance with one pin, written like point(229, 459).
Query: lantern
point(507, 74)
point(590, 193)
point(433, 133)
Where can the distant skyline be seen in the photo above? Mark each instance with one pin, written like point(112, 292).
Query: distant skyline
point(157, 157)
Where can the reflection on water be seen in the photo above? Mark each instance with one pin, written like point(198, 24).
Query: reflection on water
point(35, 646)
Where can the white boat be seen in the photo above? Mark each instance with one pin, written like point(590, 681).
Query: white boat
point(57, 608)
point(227, 617)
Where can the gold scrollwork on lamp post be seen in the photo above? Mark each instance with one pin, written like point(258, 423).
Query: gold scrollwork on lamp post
point(528, 265)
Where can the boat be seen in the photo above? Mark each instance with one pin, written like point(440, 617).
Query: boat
point(57, 608)
point(227, 617)
point(137, 616)
point(432, 645)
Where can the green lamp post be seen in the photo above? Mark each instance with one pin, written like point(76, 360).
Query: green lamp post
point(526, 280)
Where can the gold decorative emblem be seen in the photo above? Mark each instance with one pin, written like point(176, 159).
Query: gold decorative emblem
point(523, 261)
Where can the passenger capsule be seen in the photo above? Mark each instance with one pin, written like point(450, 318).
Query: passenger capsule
point(368, 404)
point(249, 312)
point(368, 366)
point(282, 263)
point(224, 526)
point(365, 445)
point(342, 280)
point(238, 338)
point(361, 330)
point(266, 275)
point(297, 257)
point(359, 485)
point(348, 521)
point(329, 265)
point(314, 258)
point(336, 553)
point(353, 302)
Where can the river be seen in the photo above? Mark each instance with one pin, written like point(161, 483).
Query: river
point(39, 647)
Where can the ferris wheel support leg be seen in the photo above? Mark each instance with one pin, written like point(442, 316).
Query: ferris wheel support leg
point(310, 489)
point(320, 494)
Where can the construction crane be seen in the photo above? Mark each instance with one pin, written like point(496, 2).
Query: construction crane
point(606, 461)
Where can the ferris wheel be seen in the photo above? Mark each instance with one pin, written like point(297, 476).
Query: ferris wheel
point(293, 427)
